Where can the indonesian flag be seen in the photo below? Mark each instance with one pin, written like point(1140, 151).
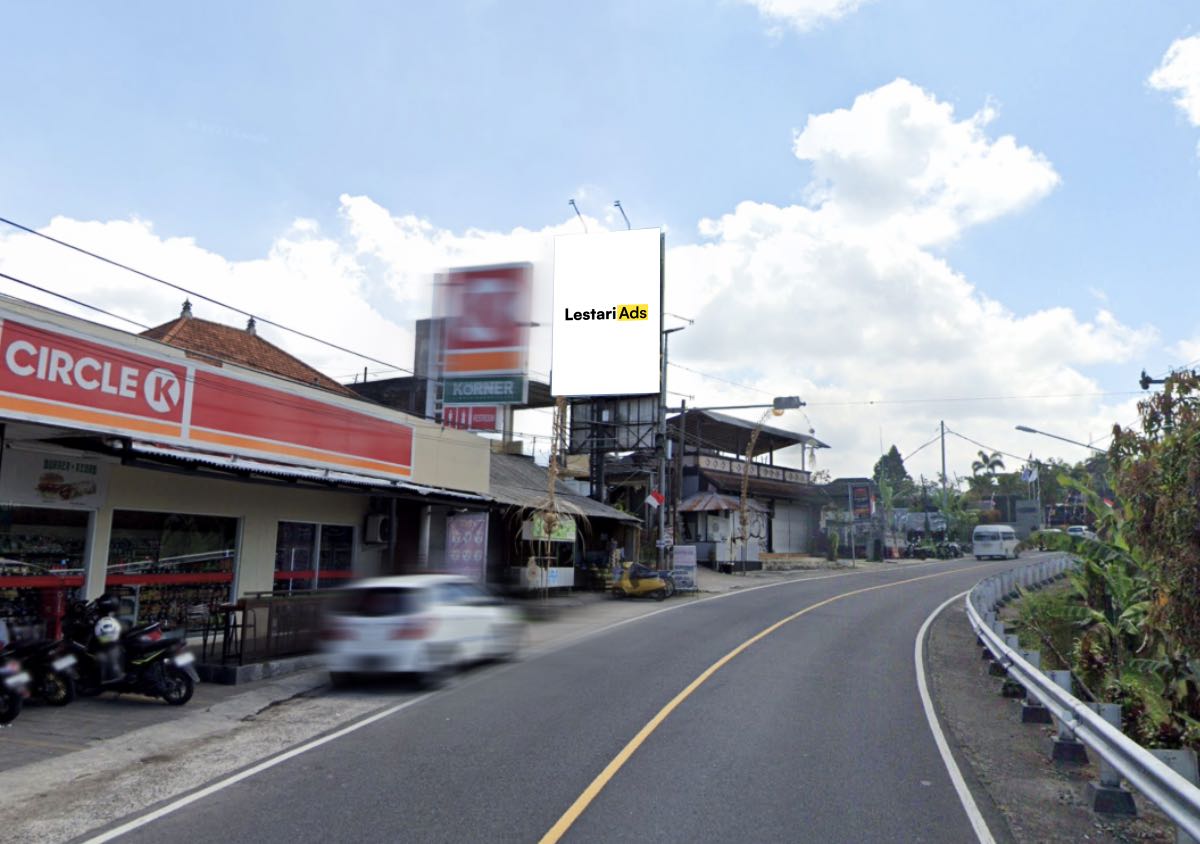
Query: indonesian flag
point(655, 498)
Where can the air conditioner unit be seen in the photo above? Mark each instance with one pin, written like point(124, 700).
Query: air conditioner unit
point(377, 530)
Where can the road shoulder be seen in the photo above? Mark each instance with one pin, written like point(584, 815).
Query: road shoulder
point(1022, 794)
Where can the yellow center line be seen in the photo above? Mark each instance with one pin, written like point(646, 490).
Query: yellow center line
point(597, 785)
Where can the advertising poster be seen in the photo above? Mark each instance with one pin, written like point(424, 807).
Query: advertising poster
point(466, 545)
point(52, 480)
point(534, 529)
point(685, 567)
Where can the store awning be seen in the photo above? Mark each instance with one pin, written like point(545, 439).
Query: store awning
point(519, 482)
point(245, 465)
point(708, 502)
point(729, 482)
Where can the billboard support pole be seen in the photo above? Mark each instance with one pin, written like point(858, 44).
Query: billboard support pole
point(662, 396)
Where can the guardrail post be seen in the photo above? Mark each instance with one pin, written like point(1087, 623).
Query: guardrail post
point(1032, 711)
point(1106, 797)
point(1182, 762)
point(1010, 687)
point(1067, 748)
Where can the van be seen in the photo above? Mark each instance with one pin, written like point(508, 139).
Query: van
point(998, 541)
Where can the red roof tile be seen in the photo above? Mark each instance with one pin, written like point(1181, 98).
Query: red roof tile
point(235, 345)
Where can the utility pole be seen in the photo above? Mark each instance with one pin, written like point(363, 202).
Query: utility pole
point(662, 398)
point(944, 499)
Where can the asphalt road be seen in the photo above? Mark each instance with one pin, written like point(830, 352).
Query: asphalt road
point(814, 732)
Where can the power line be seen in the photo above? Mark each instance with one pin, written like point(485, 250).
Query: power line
point(868, 402)
point(986, 447)
point(81, 304)
point(719, 378)
point(202, 296)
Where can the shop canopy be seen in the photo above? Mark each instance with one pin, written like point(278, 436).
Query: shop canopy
point(710, 502)
point(731, 435)
point(519, 482)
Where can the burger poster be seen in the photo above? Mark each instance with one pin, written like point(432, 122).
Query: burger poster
point(52, 480)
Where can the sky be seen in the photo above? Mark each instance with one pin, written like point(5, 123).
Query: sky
point(903, 211)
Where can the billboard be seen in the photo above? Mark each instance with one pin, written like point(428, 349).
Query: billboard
point(485, 349)
point(607, 311)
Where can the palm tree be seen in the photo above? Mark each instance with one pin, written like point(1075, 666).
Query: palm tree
point(990, 463)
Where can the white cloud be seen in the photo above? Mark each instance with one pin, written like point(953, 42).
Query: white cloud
point(803, 15)
point(898, 157)
point(1179, 73)
point(842, 300)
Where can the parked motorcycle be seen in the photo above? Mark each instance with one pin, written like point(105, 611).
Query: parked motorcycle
point(638, 581)
point(51, 669)
point(14, 688)
point(145, 660)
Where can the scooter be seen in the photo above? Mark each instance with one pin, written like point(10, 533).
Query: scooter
point(638, 581)
point(51, 669)
point(144, 660)
point(14, 688)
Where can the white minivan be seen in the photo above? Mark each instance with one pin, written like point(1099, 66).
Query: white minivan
point(417, 624)
point(998, 541)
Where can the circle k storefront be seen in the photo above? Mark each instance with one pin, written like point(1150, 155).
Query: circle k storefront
point(179, 483)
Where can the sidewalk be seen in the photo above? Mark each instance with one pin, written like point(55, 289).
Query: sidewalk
point(111, 729)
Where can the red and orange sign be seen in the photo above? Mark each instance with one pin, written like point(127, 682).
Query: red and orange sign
point(487, 323)
point(52, 375)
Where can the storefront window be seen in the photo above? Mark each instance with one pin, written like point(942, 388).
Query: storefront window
point(41, 566)
point(313, 556)
point(171, 563)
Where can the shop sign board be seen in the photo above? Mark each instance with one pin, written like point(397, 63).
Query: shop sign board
point(684, 566)
point(533, 529)
point(487, 316)
point(466, 545)
point(46, 479)
point(607, 313)
point(95, 382)
point(470, 417)
point(861, 497)
point(509, 389)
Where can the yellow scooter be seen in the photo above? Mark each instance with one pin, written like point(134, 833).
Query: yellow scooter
point(638, 581)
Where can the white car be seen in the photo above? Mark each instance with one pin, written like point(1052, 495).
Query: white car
point(425, 625)
point(1081, 531)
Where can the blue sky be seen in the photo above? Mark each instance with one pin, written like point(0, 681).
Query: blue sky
point(228, 122)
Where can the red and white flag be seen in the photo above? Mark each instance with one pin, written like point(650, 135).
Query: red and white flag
point(655, 498)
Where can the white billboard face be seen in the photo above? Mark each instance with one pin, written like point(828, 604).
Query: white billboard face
point(606, 314)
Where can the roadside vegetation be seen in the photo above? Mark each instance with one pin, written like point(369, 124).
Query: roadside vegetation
point(1128, 624)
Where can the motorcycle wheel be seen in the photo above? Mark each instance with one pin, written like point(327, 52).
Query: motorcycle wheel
point(660, 594)
point(10, 707)
point(670, 588)
point(57, 689)
point(177, 686)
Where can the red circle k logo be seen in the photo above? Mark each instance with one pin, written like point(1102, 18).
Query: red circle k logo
point(161, 389)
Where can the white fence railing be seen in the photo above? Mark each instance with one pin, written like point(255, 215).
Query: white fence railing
point(1178, 798)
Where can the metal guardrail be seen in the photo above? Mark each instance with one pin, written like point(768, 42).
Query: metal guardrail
point(1178, 798)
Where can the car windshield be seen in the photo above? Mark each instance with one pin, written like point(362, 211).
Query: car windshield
point(378, 601)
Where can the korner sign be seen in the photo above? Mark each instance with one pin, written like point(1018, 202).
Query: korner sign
point(607, 307)
point(100, 380)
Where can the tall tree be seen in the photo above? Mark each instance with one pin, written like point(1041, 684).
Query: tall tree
point(890, 468)
point(989, 463)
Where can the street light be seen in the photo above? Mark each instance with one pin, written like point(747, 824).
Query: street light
point(1028, 430)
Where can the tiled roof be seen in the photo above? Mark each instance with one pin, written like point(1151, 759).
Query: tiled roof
point(236, 345)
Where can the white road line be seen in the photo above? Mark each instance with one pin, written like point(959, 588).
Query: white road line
point(219, 785)
point(964, 794)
